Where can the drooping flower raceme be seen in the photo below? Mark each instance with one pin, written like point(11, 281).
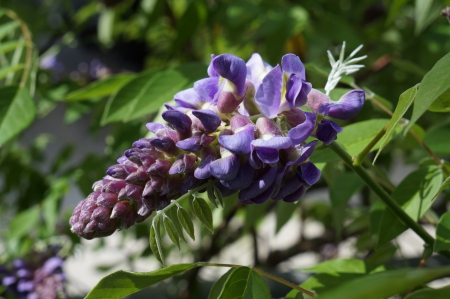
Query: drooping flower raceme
point(242, 127)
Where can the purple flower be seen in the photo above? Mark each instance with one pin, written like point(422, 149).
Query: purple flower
point(283, 88)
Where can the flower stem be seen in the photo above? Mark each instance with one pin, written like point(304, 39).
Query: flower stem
point(362, 155)
point(385, 197)
point(263, 273)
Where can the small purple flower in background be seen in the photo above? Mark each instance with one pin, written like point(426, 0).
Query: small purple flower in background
point(40, 276)
point(216, 134)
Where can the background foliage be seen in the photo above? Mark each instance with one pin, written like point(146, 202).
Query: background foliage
point(106, 67)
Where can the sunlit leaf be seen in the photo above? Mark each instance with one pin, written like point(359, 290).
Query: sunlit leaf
point(172, 214)
point(7, 28)
point(122, 283)
point(218, 285)
point(443, 233)
point(100, 88)
point(427, 293)
point(10, 45)
point(155, 241)
point(17, 111)
point(10, 69)
point(245, 283)
point(203, 212)
point(435, 84)
point(186, 222)
point(171, 231)
point(24, 222)
point(404, 102)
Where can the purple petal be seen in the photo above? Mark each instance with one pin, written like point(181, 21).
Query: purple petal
point(310, 174)
point(9, 280)
point(267, 155)
point(306, 152)
point(292, 64)
point(207, 89)
point(327, 131)
point(178, 119)
point(257, 69)
point(255, 162)
point(225, 168)
point(154, 127)
point(295, 195)
point(259, 185)
point(290, 187)
point(301, 132)
point(239, 121)
point(276, 142)
point(239, 142)
point(202, 171)
point(263, 197)
point(268, 95)
point(302, 96)
point(163, 144)
point(211, 71)
point(52, 264)
point(293, 87)
point(232, 68)
point(224, 190)
point(209, 119)
point(266, 126)
point(316, 99)
point(350, 105)
point(188, 98)
point(243, 179)
point(227, 102)
point(191, 144)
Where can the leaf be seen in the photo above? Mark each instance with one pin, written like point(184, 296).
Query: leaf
point(122, 283)
point(443, 233)
point(106, 25)
point(171, 230)
point(435, 83)
point(441, 293)
point(7, 28)
point(340, 196)
point(155, 240)
point(385, 284)
point(245, 283)
point(100, 88)
point(24, 222)
point(338, 266)
point(147, 92)
point(51, 202)
point(435, 142)
point(444, 186)
point(218, 196)
point(414, 194)
point(442, 103)
point(186, 221)
point(394, 9)
point(11, 69)
point(203, 212)
point(211, 196)
point(10, 45)
point(404, 102)
point(17, 111)
point(356, 137)
point(425, 13)
point(218, 285)
point(172, 214)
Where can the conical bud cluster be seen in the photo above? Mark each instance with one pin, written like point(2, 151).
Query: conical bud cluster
point(241, 127)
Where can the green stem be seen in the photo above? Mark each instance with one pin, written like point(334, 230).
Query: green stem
point(385, 197)
point(263, 273)
point(362, 155)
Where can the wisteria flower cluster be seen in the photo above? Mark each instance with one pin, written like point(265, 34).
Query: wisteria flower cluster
point(243, 127)
point(38, 277)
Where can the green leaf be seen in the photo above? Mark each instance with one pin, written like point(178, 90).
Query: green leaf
point(10, 69)
point(441, 293)
point(425, 14)
point(122, 283)
point(435, 84)
point(10, 45)
point(211, 196)
point(17, 111)
point(443, 233)
point(433, 138)
point(155, 240)
point(404, 102)
point(172, 214)
point(7, 28)
point(394, 9)
point(203, 212)
point(245, 283)
point(442, 103)
point(385, 284)
point(171, 230)
point(355, 137)
point(51, 202)
point(415, 196)
point(340, 196)
point(444, 186)
point(338, 266)
point(284, 212)
point(100, 88)
point(218, 196)
point(106, 25)
point(147, 92)
point(24, 222)
point(186, 221)
point(218, 285)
